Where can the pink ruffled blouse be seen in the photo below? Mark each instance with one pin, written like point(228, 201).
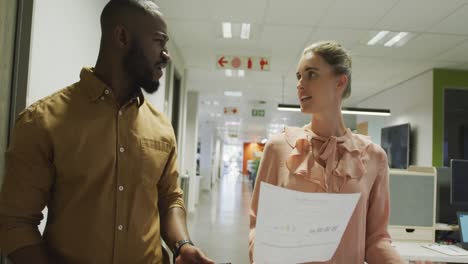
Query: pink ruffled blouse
point(300, 160)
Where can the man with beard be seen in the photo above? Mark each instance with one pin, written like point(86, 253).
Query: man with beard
point(101, 158)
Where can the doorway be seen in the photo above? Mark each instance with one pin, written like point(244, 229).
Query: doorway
point(177, 80)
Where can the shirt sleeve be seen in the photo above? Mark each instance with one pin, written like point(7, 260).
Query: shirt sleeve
point(170, 193)
point(29, 176)
point(267, 172)
point(378, 242)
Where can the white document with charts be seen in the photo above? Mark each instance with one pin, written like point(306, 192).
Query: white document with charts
point(298, 227)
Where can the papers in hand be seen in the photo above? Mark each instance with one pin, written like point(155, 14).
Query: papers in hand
point(297, 227)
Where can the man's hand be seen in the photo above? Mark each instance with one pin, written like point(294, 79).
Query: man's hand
point(192, 255)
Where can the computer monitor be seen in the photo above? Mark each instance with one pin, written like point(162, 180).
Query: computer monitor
point(445, 212)
point(459, 182)
point(395, 141)
point(463, 224)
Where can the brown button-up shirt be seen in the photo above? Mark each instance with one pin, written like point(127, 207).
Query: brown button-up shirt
point(107, 175)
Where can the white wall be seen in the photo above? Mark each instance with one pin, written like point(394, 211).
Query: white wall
point(207, 139)
point(176, 57)
point(65, 37)
point(375, 125)
point(157, 99)
point(218, 162)
point(350, 121)
point(190, 145)
point(409, 102)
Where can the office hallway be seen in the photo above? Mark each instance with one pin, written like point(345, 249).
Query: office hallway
point(220, 225)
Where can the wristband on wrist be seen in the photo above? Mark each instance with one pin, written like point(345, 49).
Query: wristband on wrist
point(179, 245)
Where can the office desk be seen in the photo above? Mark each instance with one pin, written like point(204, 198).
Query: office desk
point(412, 251)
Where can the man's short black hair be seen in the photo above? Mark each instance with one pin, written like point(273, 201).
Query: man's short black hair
point(118, 11)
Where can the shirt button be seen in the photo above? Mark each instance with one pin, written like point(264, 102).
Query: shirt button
point(106, 91)
point(120, 227)
point(121, 188)
point(122, 149)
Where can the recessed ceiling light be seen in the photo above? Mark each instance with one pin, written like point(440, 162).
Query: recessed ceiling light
point(245, 31)
point(378, 37)
point(397, 38)
point(233, 93)
point(227, 31)
point(232, 123)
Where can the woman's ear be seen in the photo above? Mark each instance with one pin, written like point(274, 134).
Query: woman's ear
point(342, 83)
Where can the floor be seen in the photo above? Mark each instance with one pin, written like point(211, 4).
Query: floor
point(220, 226)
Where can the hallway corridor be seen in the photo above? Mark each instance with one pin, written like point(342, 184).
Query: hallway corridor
point(220, 227)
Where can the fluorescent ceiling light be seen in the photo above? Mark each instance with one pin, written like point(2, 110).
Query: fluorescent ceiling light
point(378, 37)
point(345, 110)
point(289, 107)
point(233, 93)
point(241, 73)
point(227, 32)
point(245, 31)
point(215, 103)
point(398, 37)
point(228, 73)
point(365, 111)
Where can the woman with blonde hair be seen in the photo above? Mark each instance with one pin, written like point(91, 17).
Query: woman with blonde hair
point(325, 156)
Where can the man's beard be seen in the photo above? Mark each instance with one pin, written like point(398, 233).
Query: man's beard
point(136, 65)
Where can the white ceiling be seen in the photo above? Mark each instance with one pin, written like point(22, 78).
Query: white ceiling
point(281, 29)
